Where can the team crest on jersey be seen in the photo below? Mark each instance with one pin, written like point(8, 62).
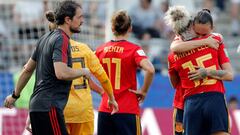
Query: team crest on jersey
point(141, 53)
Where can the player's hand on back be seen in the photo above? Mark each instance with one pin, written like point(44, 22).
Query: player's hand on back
point(140, 95)
point(198, 74)
point(114, 105)
point(211, 42)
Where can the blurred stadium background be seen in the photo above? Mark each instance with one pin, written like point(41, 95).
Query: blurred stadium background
point(22, 22)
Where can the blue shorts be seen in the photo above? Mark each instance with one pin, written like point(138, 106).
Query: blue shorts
point(205, 113)
point(118, 124)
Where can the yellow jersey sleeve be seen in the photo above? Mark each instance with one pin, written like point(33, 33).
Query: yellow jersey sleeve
point(92, 62)
point(98, 71)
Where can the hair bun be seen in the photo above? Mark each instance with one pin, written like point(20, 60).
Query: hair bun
point(121, 22)
point(50, 16)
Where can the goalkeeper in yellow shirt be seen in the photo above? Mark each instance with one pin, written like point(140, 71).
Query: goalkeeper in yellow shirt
point(78, 112)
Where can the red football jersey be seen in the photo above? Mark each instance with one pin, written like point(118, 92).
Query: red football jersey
point(120, 60)
point(204, 57)
point(178, 100)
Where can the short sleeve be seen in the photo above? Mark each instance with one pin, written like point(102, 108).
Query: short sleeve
point(34, 54)
point(218, 37)
point(60, 49)
point(171, 64)
point(35, 51)
point(223, 55)
point(139, 55)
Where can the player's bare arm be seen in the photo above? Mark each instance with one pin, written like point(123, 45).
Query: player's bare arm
point(150, 71)
point(225, 74)
point(22, 81)
point(95, 87)
point(63, 72)
point(173, 74)
point(182, 46)
point(174, 79)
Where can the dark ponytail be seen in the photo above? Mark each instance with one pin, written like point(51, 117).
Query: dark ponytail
point(121, 22)
point(203, 17)
point(52, 21)
point(50, 16)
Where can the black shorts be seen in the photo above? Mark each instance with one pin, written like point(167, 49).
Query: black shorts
point(118, 124)
point(205, 114)
point(48, 123)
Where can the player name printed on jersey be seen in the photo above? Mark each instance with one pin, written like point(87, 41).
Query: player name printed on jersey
point(117, 49)
point(75, 48)
point(184, 54)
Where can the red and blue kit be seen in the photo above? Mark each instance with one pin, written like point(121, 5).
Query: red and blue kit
point(204, 57)
point(120, 59)
point(178, 100)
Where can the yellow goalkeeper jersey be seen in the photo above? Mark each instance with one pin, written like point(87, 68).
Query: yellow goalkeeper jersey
point(79, 107)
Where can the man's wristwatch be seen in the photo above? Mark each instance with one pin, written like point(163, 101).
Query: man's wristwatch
point(14, 96)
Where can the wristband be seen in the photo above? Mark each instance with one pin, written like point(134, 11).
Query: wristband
point(14, 96)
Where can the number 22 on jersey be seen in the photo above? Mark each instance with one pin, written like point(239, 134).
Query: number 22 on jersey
point(117, 62)
point(200, 62)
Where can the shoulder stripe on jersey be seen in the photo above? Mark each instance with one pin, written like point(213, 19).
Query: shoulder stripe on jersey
point(64, 48)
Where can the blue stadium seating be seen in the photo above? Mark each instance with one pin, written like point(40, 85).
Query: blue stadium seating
point(6, 85)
